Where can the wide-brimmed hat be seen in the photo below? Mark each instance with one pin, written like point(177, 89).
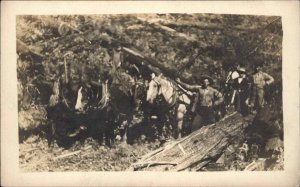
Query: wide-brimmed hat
point(241, 70)
point(201, 78)
point(258, 64)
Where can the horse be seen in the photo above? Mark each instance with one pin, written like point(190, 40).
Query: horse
point(109, 114)
point(93, 105)
point(175, 102)
point(64, 124)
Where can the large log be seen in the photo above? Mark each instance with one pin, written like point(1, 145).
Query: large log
point(212, 26)
point(167, 29)
point(153, 65)
point(196, 150)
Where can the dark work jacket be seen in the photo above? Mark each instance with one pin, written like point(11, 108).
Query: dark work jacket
point(244, 87)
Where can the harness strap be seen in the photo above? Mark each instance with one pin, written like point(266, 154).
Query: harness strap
point(174, 97)
point(64, 100)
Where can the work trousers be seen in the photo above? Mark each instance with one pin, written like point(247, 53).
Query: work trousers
point(259, 99)
point(240, 103)
point(204, 116)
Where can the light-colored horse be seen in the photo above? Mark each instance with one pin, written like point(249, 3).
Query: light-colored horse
point(159, 85)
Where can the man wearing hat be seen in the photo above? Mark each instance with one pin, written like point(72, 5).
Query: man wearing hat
point(232, 74)
point(242, 87)
point(207, 98)
point(260, 81)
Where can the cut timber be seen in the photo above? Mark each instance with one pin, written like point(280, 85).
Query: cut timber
point(198, 149)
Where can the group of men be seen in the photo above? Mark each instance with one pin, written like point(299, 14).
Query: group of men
point(247, 93)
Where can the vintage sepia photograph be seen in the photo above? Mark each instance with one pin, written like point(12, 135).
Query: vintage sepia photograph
point(150, 92)
point(142, 93)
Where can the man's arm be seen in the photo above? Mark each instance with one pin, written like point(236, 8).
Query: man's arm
point(188, 93)
point(219, 97)
point(269, 79)
point(188, 87)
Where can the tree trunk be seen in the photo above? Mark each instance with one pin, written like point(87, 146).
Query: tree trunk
point(153, 65)
point(196, 150)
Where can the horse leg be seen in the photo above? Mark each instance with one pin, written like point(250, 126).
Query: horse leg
point(107, 134)
point(180, 114)
point(51, 134)
point(123, 131)
point(161, 131)
point(96, 130)
point(164, 128)
point(179, 124)
point(101, 133)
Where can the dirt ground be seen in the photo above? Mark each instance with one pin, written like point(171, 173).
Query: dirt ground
point(91, 156)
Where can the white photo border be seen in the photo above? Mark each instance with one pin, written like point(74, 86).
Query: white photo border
point(10, 172)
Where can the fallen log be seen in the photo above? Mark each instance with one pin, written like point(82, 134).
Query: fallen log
point(167, 29)
point(154, 65)
point(198, 149)
point(208, 26)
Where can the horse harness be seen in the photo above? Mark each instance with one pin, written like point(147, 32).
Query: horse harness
point(176, 97)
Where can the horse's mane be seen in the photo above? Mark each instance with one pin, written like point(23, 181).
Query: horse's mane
point(177, 87)
point(172, 82)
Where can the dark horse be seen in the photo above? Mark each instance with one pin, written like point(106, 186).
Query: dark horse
point(64, 123)
point(93, 110)
point(111, 115)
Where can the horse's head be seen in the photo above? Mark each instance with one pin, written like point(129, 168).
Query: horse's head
point(154, 89)
point(83, 97)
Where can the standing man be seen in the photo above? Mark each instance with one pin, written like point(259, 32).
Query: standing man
point(242, 86)
point(207, 98)
point(229, 91)
point(260, 80)
point(232, 74)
